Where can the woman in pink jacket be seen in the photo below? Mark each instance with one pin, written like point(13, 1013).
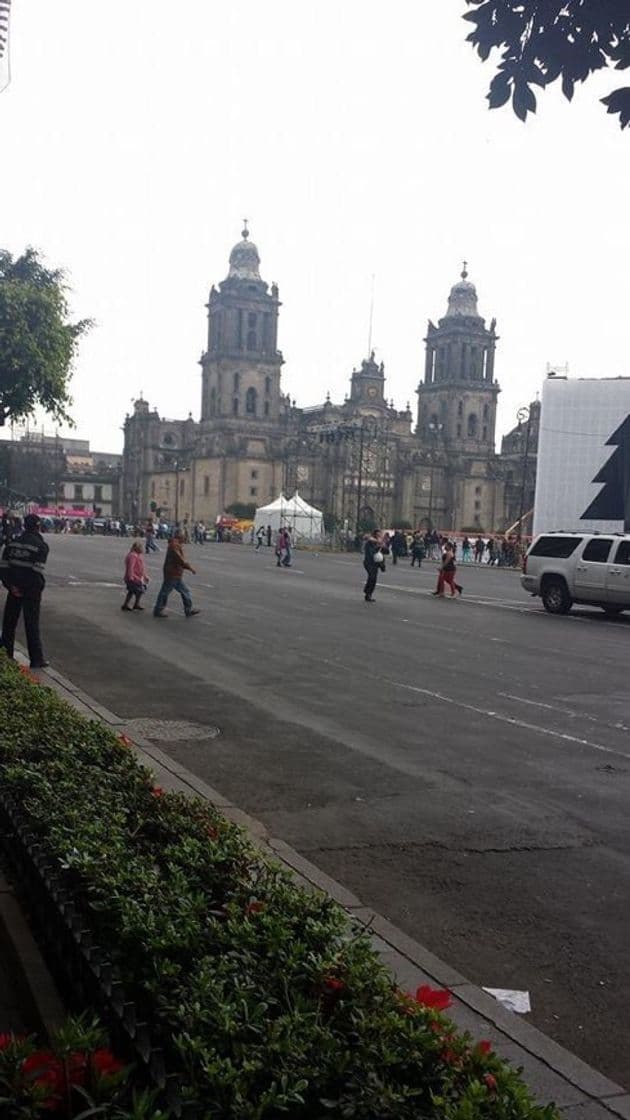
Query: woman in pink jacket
point(136, 577)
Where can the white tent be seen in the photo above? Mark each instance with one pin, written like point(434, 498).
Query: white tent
point(305, 522)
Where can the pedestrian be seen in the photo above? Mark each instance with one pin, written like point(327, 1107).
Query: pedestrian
point(418, 551)
point(447, 574)
point(283, 549)
point(372, 561)
point(466, 550)
point(149, 538)
point(398, 546)
point(269, 536)
point(175, 564)
point(136, 577)
point(22, 573)
point(260, 538)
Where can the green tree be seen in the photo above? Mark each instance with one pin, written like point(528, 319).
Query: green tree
point(245, 511)
point(545, 40)
point(37, 342)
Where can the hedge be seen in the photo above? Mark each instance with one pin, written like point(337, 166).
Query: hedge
point(274, 1005)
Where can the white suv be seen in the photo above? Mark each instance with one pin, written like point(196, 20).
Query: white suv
point(566, 568)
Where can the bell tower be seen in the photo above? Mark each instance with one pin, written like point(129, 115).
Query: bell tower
point(458, 396)
point(241, 367)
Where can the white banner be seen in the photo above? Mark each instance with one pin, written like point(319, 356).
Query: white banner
point(583, 471)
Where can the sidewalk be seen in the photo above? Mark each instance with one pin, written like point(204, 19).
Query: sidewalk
point(552, 1073)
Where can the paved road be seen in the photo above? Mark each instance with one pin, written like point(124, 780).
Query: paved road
point(463, 766)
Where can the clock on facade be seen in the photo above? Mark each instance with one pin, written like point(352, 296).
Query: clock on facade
point(372, 392)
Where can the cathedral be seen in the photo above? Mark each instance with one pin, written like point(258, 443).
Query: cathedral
point(362, 462)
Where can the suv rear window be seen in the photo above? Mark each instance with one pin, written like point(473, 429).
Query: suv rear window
point(561, 547)
point(597, 550)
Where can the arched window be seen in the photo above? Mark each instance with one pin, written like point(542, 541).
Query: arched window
point(266, 408)
point(237, 382)
point(486, 412)
point(251, 340)
point(473, 426)
point(267, 384)
point(460, 408)
point(235, 406)
point(250, 402)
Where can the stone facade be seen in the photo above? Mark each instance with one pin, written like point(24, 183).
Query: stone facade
point(359, 461)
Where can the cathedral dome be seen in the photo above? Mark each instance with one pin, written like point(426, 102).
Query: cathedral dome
point(463, 298)
point(244, 260)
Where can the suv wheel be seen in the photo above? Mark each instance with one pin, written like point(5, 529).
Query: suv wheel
point(555, 597)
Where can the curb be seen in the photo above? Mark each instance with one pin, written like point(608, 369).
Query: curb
point(552, 1072)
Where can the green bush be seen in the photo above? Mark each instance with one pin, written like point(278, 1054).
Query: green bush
point(275, 1004)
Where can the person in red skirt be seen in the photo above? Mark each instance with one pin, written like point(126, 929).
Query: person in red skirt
point(447, 573)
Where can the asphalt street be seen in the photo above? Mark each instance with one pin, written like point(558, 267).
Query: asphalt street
point(463, 766)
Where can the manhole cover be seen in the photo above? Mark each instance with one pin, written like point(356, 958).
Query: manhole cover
point(168, 730)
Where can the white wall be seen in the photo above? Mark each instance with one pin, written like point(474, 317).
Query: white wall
point(577, 419)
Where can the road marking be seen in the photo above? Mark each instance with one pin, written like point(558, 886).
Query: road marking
point(510, 719)
point(564, 711)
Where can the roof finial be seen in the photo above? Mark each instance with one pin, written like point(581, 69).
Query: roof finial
point(465, 271)
point(245, 231)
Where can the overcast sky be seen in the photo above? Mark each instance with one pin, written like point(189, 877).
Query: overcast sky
point(135, 136)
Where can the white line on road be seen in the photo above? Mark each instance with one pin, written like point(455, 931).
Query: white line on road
point(564, 711)
point(510, 719)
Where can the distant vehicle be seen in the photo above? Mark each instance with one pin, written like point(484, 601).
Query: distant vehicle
point(567, 568)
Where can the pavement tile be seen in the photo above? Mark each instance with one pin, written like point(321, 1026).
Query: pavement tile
point(544, 1083)
point(443, 973)
point(590, 1110)
point(407, 975)
point(619, 1105)
point(340, 894)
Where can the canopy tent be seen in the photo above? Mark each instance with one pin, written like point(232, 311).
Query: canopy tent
point(305, 522)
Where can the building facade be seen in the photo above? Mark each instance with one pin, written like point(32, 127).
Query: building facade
point(54, 471)
point(360, 461)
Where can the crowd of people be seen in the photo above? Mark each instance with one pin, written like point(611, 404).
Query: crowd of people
point(24, 554)
point(377, 546)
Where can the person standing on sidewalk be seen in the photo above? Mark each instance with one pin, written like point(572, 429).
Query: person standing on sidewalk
point(372, 561)
point(447, 573)
point(22, 573)
point(175, 564)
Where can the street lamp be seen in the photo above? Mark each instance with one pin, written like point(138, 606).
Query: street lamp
point(523, 415)
point(435, 429)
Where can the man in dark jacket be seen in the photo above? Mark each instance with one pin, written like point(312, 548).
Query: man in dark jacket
point(175, 564)
point(22, 573)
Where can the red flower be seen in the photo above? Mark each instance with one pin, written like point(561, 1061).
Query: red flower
point(451, 1058)
point(47, 1073)
point(124, 741)
point(157, 791)
point(333, 985)
point(436, 998)
point(5, 1040)
point(254, 907)
point(484, 1047)
point(212, 832)
point(490, 1082)
point(105, 1064)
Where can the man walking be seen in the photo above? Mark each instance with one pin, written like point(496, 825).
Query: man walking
point(175, 564)
point(22, 573)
